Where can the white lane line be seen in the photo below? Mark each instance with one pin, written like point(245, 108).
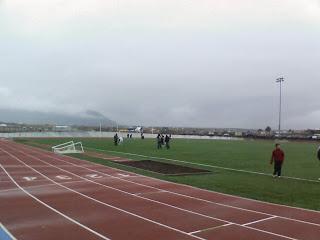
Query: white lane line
point(209, 229)
point(210, 191)
point(9, 190)
point(259, 230)
point(261, 220)
point(37, 186)
point(205, 165)
point(118, 178)
point(179, 194)
point(32, 165)
point(97, 201)
point(122, 191)
point(123, 175)
point(3, 228)
point(53, 209)
point(145, 193)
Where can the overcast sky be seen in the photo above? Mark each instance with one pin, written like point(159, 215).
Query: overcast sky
point(207, 63)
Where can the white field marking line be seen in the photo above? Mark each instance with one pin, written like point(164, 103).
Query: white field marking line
point(53, 209)
point(17, 166)
point(9, 190)
point(25, 181)
point(128, 193)
point(211, 191)
point(7, 232)
point(254, 229)
point(143, 193)
point(261, 220)
point(269, 233)
point(37, 150)
point(100, 202)
point(251, 228)
point(140, 184)
point(200, 199)
point(38, 186)
point(213, 228)
point(179, 194)
point(206, 165)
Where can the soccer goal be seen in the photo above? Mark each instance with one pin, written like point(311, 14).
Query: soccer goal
point(68, 147)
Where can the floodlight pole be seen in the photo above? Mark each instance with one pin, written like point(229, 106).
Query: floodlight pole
point(280, 80)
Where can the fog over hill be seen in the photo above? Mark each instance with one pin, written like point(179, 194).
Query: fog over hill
point(208, 63)
point(88, 118)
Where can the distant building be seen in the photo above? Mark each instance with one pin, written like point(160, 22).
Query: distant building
point(238, 134)
point(62, 128)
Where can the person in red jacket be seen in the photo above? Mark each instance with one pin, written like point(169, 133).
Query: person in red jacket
point(277, 158)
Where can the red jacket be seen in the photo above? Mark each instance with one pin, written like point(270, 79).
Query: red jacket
point(277, 155)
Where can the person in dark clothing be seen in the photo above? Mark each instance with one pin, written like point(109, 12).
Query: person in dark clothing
point(277, 158)
point(162, 139)
point(116, 139)
point(167, 140)
point(159, 145)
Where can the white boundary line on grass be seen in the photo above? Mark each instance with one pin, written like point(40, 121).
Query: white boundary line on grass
point(168, 191)
point(189, 211)
point(211, 191)
point(207, 165)
point(204, 165)
point(90, 198)
point(175, 193)
point(189, 186)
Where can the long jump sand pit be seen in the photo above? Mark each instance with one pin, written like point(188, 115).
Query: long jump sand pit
point(164, 168)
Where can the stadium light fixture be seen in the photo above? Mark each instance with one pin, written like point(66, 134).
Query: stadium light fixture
point(280, 80)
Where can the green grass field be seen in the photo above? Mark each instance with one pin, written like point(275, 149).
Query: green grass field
point(248, 155)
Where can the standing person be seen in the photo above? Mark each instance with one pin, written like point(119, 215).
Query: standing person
point(278, 158)
point(115, 139)
point(162, 139)
point(167, 140)
point(159, 145)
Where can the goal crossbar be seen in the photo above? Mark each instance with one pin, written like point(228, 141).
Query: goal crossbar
point(68, 147)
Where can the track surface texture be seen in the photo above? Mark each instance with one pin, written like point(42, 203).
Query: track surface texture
point(48, 196)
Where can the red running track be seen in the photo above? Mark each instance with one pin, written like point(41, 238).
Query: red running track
point(48, 196)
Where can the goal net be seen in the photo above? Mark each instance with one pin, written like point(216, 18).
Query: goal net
point(68, 147)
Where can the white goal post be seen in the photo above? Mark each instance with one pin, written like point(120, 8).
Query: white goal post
point(68, 147)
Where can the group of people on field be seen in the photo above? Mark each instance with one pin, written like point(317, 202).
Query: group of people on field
point(163, 140)
point(277, 157)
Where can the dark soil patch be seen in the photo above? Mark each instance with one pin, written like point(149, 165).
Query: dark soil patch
point(164, 168)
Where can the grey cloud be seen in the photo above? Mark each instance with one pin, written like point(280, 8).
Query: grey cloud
point(212, 69)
